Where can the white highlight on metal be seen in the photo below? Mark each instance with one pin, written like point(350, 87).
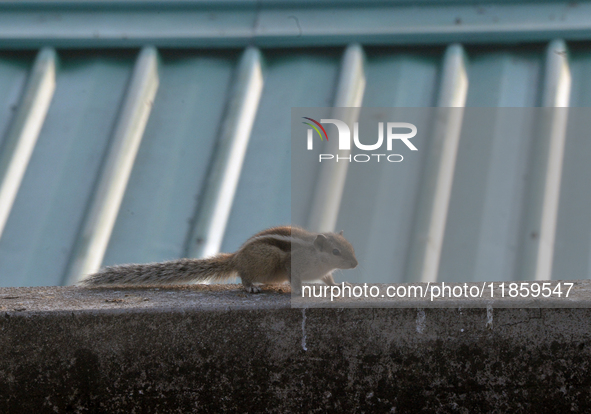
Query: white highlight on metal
point(542, 211)
point(102, 213)
point(557, 82)
point(421, 321)
point(331, 179)
point(22, 136)
point(435, 191)
point(304, 347)
point(207, 236)
point(344, 131)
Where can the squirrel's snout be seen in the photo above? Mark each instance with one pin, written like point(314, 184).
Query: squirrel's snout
point(354, 263)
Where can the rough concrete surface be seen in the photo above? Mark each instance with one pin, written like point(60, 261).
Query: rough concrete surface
point(216, 349)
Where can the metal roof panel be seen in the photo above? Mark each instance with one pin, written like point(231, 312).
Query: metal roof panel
point(45, 219)
point(171, 166)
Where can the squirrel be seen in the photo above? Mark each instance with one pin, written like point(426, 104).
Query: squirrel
point(275, 255)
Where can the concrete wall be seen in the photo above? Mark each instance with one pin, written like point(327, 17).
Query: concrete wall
point(217, 349)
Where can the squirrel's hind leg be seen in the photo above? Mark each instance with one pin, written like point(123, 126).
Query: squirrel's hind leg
point(249, 286)
point(295, 282)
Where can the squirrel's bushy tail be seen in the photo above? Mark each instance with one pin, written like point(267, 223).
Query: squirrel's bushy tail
point(216, 268)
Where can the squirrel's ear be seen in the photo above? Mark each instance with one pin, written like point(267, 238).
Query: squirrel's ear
point(341, 232)
point(320, 241)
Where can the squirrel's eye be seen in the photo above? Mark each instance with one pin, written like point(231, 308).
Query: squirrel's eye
point(336, 252)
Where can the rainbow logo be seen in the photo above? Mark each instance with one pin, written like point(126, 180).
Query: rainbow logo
point(317, 123)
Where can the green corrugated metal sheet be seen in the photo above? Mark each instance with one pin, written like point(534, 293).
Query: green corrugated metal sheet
point(40, 232)
point(13, 73)
point(573, 234)
point(174, 161)
point(263, 197)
